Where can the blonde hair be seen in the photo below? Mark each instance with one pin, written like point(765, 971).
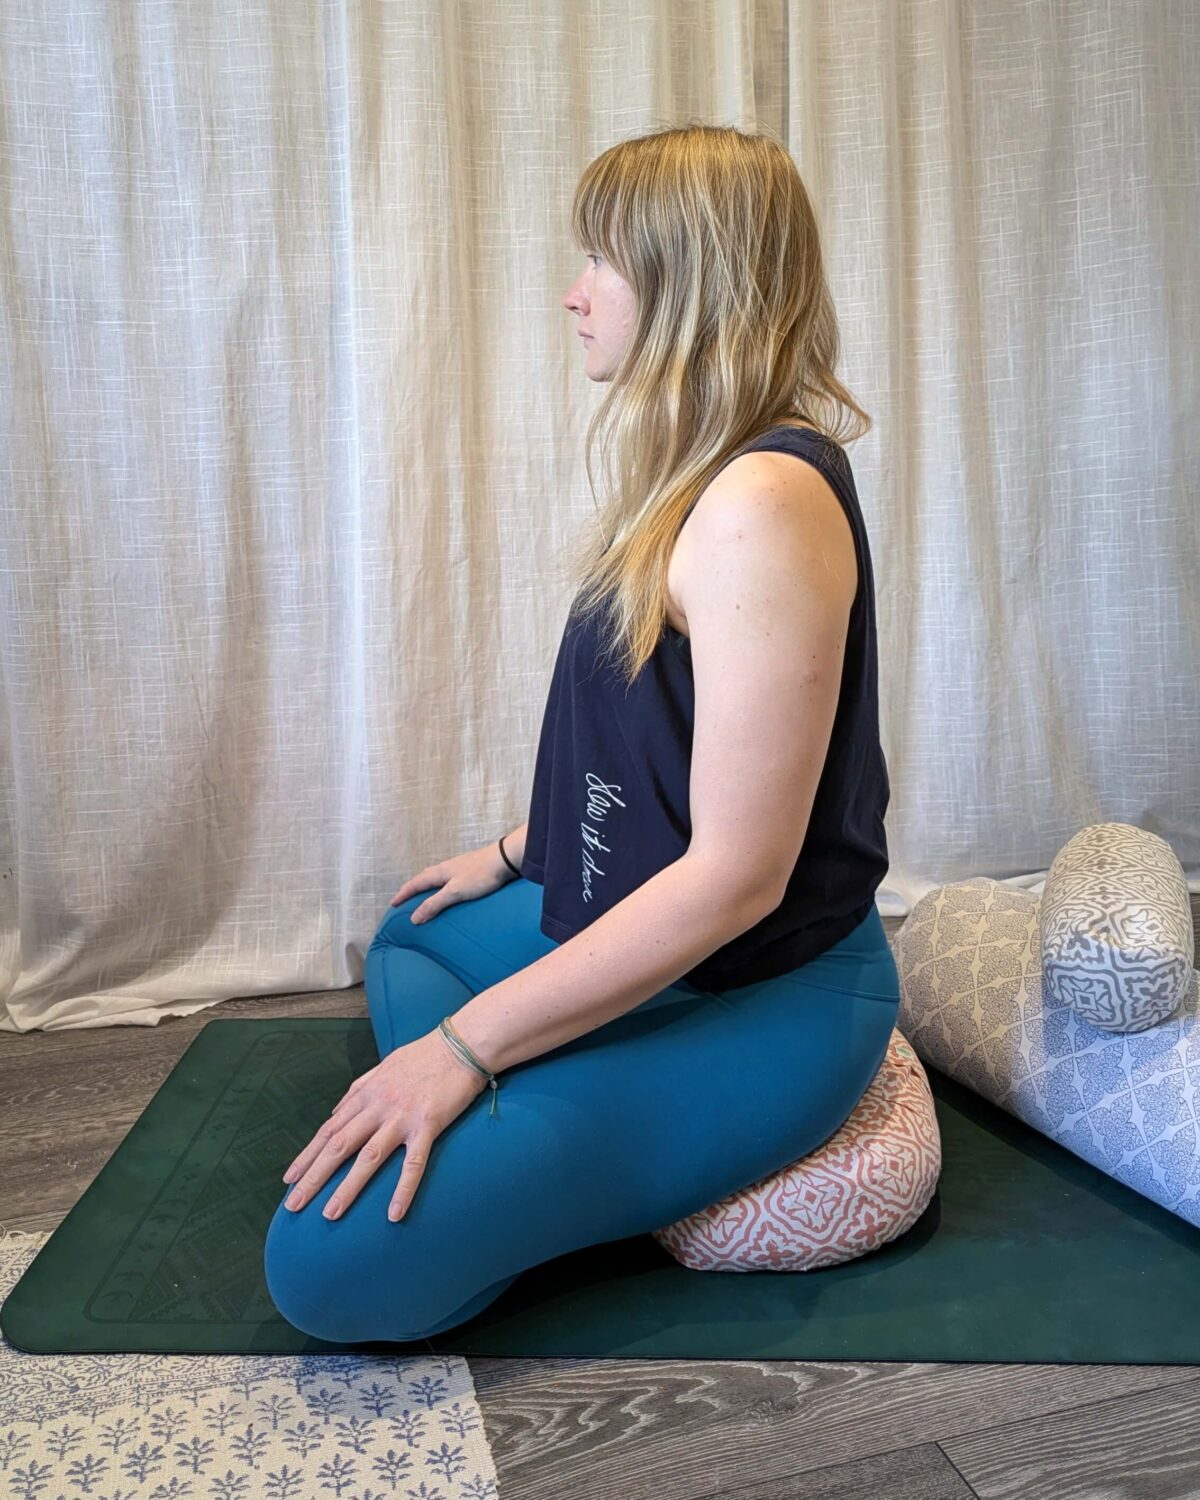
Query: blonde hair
point(736, 331)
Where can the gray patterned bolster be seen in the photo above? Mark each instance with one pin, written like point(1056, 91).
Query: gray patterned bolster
point(1116, 928)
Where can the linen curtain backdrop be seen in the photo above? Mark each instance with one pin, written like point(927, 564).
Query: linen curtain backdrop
point(293, 422)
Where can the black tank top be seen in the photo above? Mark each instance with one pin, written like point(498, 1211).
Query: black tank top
point(609, 804)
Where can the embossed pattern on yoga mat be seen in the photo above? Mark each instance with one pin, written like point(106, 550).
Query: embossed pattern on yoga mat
point(205, 1215)
point(164, 1250)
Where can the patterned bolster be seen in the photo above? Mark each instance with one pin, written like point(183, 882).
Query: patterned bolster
point(1082, 1061)
point(1116, 928)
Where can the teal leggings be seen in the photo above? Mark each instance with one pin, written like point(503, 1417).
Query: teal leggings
point(631, 1126)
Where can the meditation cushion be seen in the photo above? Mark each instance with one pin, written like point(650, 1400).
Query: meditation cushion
point(868, 1183)
point(1044, 1041)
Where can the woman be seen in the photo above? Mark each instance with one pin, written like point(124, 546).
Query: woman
point(675, 969)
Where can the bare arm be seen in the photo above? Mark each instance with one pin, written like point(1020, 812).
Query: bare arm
point(641, 945)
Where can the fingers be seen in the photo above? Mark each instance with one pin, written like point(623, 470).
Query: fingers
point(331, 1144)
point(416, 1154)
point(410, 887)
point(376, 1149)
point(430, 908)
point(353, 1089)
point(421, 913)
point(314, 1148)
point(308, 1155)
point(413, 916)
point(366, 1165)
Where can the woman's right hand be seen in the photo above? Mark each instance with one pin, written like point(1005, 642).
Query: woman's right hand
point(465, 877)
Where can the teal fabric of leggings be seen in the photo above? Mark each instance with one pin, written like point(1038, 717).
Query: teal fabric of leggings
point(627, 1128)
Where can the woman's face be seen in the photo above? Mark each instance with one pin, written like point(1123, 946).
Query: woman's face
point(607, 311)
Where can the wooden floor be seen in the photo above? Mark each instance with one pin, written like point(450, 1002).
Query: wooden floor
point(598, 1429)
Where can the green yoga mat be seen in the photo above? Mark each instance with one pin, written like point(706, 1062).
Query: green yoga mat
point(1025, 1254)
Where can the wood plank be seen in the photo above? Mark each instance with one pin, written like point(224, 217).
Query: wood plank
point(695, 1429)
point(1144, 1445)
point(923, 1473)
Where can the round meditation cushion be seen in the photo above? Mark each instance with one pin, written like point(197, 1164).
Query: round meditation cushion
point(867, 1184)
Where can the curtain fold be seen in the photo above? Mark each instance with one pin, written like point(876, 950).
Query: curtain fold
point(294, 424)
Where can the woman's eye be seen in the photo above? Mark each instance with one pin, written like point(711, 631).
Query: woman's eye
point(596, 258)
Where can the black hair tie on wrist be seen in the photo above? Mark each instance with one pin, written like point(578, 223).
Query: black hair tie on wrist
point(506, 859)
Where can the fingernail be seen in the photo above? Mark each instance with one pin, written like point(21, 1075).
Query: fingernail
point(290, 1175)
point(332, 1209)
point(393, 1212)
point(295, 1199)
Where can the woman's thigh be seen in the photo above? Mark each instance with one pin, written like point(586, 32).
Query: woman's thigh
point(625, 1129)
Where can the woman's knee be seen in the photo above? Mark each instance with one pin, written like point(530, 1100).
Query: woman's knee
point(498, 1195)
point(341, 1280)
point(408, 993)
point(305, 1275)
point(415, 974)
point(503, 926)
point(396, 928)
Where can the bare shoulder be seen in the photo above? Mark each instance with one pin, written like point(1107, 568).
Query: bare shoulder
point(767, 583)
point(776, 509)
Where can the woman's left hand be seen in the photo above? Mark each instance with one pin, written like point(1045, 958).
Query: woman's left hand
point(409, 1097)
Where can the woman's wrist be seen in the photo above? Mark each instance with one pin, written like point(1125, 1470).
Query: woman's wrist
point(514, 849)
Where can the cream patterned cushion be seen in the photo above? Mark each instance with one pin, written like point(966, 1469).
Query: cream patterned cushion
point(1117, 939)
point(869, 1182)
point(1096, 1042)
